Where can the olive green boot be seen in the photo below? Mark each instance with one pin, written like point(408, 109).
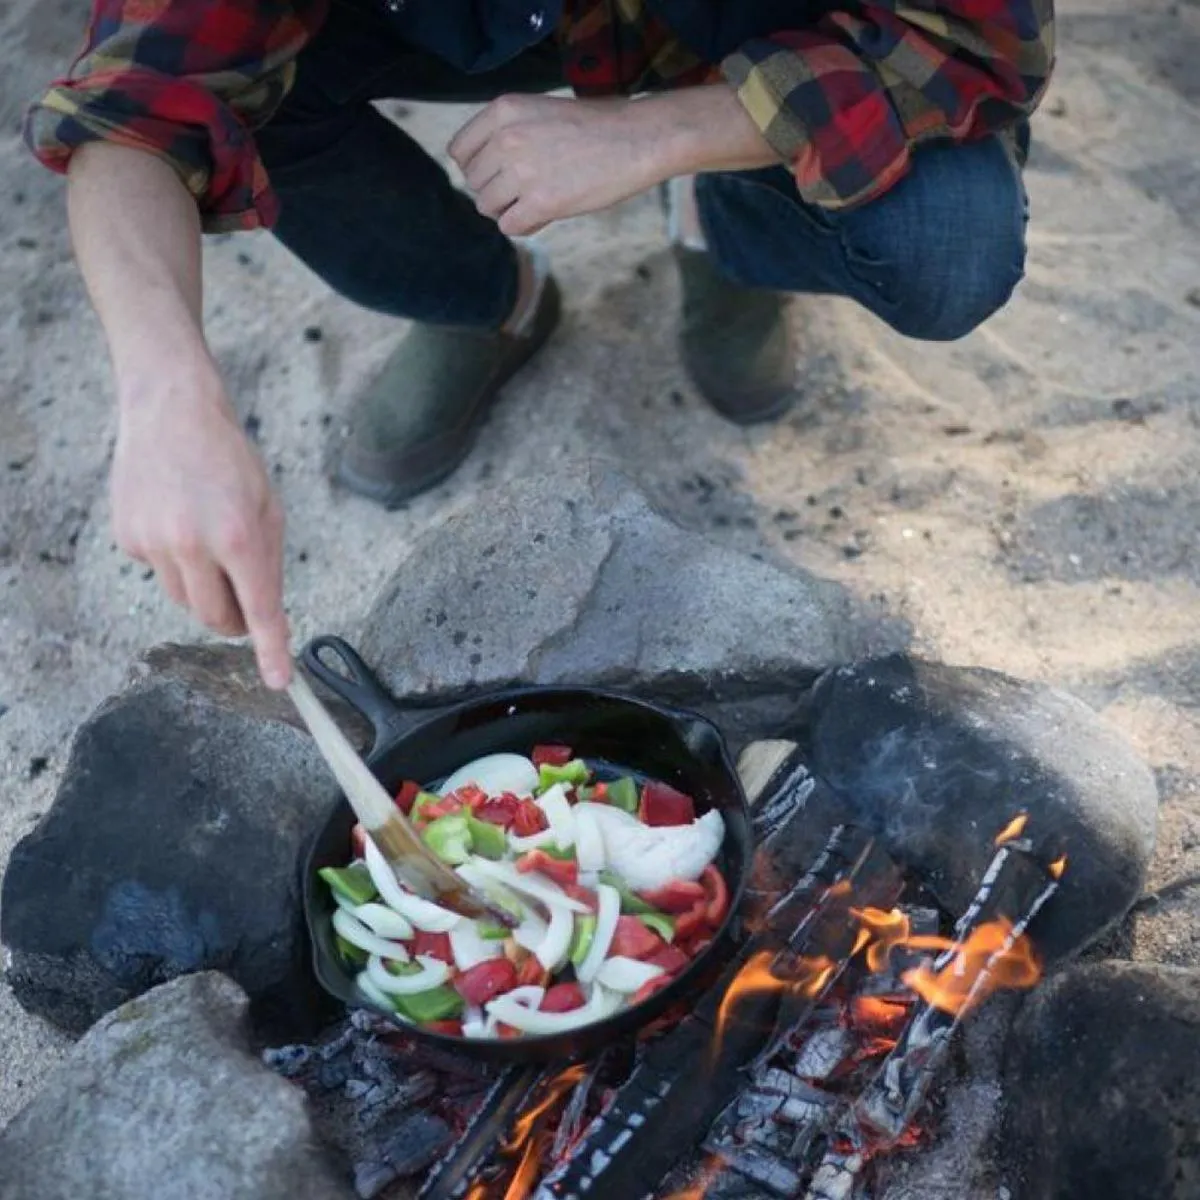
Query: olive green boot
point(418, 419)
point(735, 342)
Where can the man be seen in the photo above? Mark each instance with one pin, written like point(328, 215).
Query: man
point(864, 148)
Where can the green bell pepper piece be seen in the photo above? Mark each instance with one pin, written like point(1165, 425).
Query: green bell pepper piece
point(623, 794)
point(435, 1004)
point(492, 931)
point(556, 851)
point(631, 902)
point(660, 923)
point(352, 956)
point(582, 938)
point(423, 798)
point(449, 838)
point(487, 840)
point(572, 774)
point(353, 883)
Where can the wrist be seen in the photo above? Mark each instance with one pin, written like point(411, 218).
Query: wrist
point(169, 379)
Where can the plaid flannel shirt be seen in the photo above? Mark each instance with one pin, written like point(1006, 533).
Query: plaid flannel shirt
point(843, 100)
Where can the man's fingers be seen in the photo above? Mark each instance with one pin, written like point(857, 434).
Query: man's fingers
point(169, 578)
point(520, 220)
point(471, 138)
point(499, 195)
point(257, 580)
point(483, 168)
point(210, 597)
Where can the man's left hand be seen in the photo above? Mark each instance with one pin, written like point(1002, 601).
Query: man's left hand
point(530, 160)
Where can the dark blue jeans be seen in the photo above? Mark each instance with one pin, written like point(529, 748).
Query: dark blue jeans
point(366, 208)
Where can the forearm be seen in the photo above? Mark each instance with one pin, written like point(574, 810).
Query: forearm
point(136, 233)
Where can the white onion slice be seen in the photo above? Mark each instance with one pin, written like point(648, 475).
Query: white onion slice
point(609, 910)
point(556, 945)
point(424, 914)
point(434, 972)
point(495, 774)
point(352, 930)
point(531, 884)
point(376, 997)
point(470, 949)
point(384, 921)
point(554, 803)
point(626, 975)
point(528, 1020)
point(478, 1025)
point(501, 896)
point(589, 842)
point(532, 930)
point(535, 841)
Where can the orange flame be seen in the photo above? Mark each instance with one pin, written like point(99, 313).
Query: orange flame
point(1057, 867)
point(991, 958)
point(754, 978)
point(877, 1015)
point(699, 1186)
point(1012, 830)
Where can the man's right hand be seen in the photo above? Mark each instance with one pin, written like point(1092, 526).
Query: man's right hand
point(191, 498)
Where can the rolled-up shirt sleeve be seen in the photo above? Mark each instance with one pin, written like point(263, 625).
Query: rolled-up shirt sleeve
point(188, 81)
point(845, 101)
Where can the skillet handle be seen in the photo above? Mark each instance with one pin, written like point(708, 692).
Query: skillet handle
point(355, 683)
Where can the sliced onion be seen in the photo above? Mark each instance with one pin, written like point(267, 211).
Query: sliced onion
point(556, 945)
point(626, 975)
point(495, 774)
point(609, 910)
point(531, 932)
point(554, 803)
point(424, 914)
point(469, 948)
point(478, 1025)
point(376, 997)
point(589, 842)
point(535, 841)
point(504, 898)
point(384, 921)
point(349, 927)
point(529, 1020)
point(434, 972)
point(589, 880)
point(531, 884)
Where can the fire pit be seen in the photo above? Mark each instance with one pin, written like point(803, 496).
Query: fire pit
point(811, 1065)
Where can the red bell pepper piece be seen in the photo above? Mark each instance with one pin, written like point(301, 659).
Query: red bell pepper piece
point(436, 945)
point(677, 896)
point(486, 981)
point(583, 895)
point(670, 957)
point(663, 805)
point(447, 806)
point(563, 997)
point(692, 921)
point(406, 795)
point(563, 871)
point(634, 940)
point(450, 1028)
point(529, 819)
point(650, 987)
point(500, 810)
point(531, 973)
point(468, 796)
point(717, 892)
point(552, 756)
point(695, 945)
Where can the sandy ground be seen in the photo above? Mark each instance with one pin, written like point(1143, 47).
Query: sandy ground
point(1026, 498)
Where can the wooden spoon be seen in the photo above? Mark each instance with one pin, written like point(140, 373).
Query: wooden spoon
point(417, 866)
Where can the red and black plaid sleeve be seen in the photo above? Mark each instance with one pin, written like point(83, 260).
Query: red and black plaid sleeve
point(845, 101)
point(187, 81)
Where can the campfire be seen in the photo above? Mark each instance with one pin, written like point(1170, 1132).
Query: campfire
point(807, 1066)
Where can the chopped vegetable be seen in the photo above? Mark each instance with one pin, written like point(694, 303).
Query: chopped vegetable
point(422, 803)
point(563, 997)
point(531, 932)
point(495, 774)
point(626, 975)
point(499, 810)
point(675, 896)
point(606, 927)
point(585, 896)
point(441, 1003)
point(575, 773)
point(352, 930)
point(490, 931)
point(622, 794)
point(380, 919)
point(433, 945)
point(518, 1016)
point(581, 939)
point(487, 840)
point(562, 871)
point(373, 994)
point(559, 814)
point(422, 913)
point(449, 838)
point(631, 902)
point(352, 882)
point(351, 954)
point(448, 1028)
point(408, 792)
point(554, 756)
point(502, 897)
point(663, 805)
point(692, 921)
point(648, 857)
point(660, 924)
point(529, 820)
point(649, 988)
point(631, 939)
point(555, 947)
point(670, 958)
point(404, 981)
point(533, 885)
point(589, 842)
point(716, 891)
point(470, 949)
point(486, 981)
point(531, 972)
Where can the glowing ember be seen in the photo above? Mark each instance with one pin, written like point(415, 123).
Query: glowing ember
point(994, 956)
point(699, 1186)
point(1012, 830)
point(877, 1016)
point(1057, 867)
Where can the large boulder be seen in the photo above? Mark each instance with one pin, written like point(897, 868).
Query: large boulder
point(937, 759)
point(173, 845)
point(165, 1100)
point(1102, 1097)
point(571, 577)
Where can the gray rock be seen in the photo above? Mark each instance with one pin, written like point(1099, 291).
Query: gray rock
point(571, 577)
point(939, 758)
point(1102, 1102)
point(172, 846)
point(164, 1100)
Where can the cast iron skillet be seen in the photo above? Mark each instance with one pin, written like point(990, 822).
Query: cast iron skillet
point(677, 747)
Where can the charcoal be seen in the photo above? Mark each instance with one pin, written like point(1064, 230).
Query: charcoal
point(330, 1076)
point(837, 1176)
point(777, 1176)
point(341, 1042)
point(288, 1061)
point(823, 1053)
point(414, 1143)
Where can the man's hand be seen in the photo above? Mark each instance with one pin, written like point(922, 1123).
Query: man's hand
point(530, 160)
point(191, 498)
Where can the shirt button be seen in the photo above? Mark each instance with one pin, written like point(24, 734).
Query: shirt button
point(536, 21)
